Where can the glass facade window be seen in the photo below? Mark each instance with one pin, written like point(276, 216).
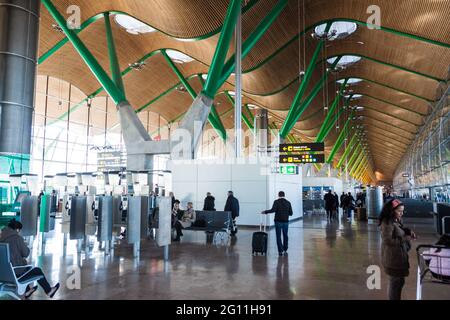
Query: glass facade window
point(69, 130)
point(425, 168)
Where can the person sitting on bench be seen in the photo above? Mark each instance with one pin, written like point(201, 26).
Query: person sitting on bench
point(185, 219)
point(18, 252)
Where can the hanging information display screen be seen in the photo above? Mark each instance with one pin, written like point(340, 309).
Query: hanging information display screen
point(302, 147)
point(303, 158)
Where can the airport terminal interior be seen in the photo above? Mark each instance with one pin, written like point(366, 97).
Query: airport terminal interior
point(224, 149)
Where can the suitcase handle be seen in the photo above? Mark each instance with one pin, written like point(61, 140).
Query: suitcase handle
point(261, 222)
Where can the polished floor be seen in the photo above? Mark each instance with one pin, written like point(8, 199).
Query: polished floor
point(325, 261)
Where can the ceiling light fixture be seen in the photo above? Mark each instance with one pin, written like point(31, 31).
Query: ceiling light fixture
point(132, 25)
point(181, 88)
point(137, 65)
point(57, 28)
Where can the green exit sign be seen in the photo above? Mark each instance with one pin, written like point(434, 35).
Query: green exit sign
point(289, 169)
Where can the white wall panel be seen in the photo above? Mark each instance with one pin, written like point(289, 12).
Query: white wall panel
point(255, 191)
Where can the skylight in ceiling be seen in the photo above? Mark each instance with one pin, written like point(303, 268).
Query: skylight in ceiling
point(178, 57)
point(345, 60)
point(339, 30)
point(132, 25)
point(354, 96)
point(350, 81)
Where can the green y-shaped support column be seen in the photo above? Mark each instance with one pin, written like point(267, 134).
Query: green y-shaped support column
point(326, 126)
point(305, 104)
point(340, 140)
point(213, 118)
point(347, 150)
point(292, 116)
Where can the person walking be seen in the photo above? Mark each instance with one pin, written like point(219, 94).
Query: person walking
point(232, 205)
point(349, 205)
point(329, 204)
point(342, 200)
point(336, 206)
point(283, 210)
point(396, 243)
point(209, 204)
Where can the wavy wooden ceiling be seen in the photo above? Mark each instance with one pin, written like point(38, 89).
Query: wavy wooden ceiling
point(401, 74)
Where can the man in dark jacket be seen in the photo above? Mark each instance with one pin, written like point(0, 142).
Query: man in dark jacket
point(18, 251)
point(336, 205)
point(283, 210)
point(232, 205)
point(209, 203)
point(348, 204)
point(329, 204)
point(341, 202)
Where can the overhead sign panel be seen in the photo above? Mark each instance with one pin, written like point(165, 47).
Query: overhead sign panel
point(302, 147)
point(289, 170)
point(303, 158)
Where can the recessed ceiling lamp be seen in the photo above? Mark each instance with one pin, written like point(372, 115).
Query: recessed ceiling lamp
point(345, 61)
point(132, 25)
point(232, 93)
point(252, 106)
point(181, 88)
point(137, 65)
point(339, 30)
point(57, 28)
point(204, 76)
point(178, 57)
point(350, 81)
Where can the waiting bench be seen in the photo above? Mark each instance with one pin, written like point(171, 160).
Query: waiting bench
point(218, 222)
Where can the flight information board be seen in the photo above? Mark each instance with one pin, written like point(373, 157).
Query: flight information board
point(302, 158)
point(302, 147)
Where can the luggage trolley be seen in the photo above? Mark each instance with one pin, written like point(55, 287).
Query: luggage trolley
point(433, 266)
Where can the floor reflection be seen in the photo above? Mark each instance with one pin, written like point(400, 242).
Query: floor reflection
point(327, 260)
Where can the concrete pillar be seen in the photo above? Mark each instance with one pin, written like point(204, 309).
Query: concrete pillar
point(374, 202)
point(19, 35)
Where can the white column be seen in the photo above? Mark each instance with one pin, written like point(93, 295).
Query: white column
point(238, 88)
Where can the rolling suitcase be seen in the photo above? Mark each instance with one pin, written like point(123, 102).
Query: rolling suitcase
point(259, 239)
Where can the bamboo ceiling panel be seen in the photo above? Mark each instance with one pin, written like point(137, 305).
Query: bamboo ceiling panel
point(392, 77)
point(392, 96)
point(271, 70)
point(370, 103)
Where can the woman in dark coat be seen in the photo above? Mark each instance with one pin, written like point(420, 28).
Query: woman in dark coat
point(396, 242)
